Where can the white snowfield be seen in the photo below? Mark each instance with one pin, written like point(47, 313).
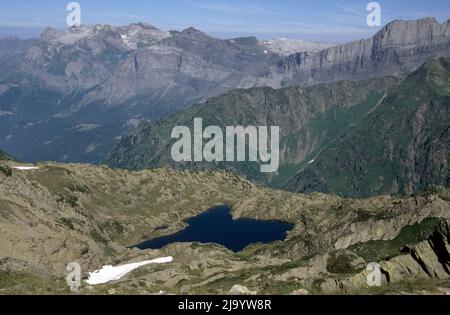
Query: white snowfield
point(25, 168)
point(286, 46)
point(110, 273)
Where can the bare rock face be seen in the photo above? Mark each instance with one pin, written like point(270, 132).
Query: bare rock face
point(135, 59)
point(401, 46)
point(299, 292)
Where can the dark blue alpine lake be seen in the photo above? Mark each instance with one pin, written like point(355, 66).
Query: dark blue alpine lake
point(217, 226)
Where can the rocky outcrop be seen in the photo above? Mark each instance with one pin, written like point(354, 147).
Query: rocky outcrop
point(426, 260)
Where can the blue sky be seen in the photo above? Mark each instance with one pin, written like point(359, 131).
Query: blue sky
point(319, 20)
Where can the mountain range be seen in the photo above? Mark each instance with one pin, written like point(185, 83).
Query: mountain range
point(71, 95)
point(365, 132)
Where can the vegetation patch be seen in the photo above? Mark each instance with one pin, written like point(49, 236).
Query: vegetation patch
point(112, 227)
point(377, 216)
point(97, 237)
point(78, 188)
point(343, 263)
point(71, 200)
point(67, 222)
point(17, 283)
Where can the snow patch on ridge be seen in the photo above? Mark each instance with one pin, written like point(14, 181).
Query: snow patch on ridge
point(110, 273)
point(285, 46)
point(25, 168)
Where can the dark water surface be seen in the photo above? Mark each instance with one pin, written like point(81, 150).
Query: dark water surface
point(217, 226)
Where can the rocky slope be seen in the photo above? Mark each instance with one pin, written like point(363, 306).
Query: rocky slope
point(75, 93)
point(63, 213)
point(402, 147)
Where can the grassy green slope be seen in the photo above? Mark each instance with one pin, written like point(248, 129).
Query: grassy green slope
point(402, 147)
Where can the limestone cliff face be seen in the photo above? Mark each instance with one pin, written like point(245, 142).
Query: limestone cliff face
point(139, 59)
point(399, 47)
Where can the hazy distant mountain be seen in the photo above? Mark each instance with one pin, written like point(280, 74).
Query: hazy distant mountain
point(123, 62)
point(286, 46)
point(72, 94)
point(10, 50)
point(76, 91)
point(11, 47)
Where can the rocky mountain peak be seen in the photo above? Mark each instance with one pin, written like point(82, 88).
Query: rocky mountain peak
point(132, 36)
point(414, 32)
point(146, 26)
point(67, 37)
point(193, 32)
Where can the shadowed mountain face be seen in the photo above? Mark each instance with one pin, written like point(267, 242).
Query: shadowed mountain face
point(403, 147)
point(310, 120)
point(351, 138)
point(71, 95)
